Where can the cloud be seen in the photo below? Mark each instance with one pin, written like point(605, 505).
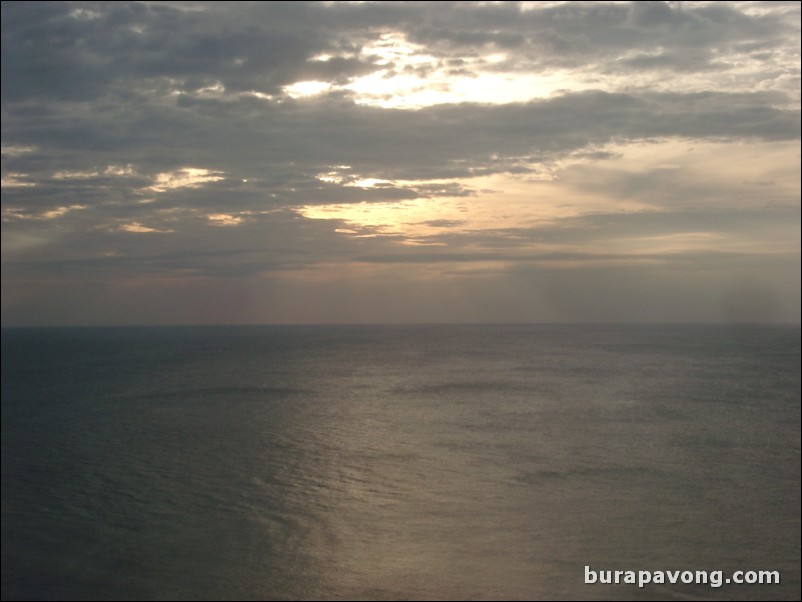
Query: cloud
point(185, 139)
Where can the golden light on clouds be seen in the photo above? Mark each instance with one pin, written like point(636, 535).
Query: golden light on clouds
point(604, 180)
point(16, 213)
point(224, 219)
point(184, 177)
point(17, 180)
point(58, 212)
point(306, 88)
point(138, 228)
point(499, 202)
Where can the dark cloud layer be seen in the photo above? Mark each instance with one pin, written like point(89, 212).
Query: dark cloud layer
point(164, 141)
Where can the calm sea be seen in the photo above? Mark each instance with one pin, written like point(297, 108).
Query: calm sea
point(402, 462)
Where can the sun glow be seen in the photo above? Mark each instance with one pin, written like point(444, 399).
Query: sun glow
point(186, 177)
point(501, 201)
point(224, 219)
point(411, 221)
point(408, 76)
point(306, 88)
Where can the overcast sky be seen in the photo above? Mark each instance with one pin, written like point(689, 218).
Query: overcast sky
point(270, 162)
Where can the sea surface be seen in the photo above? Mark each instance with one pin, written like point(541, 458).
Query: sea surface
point(398, 462)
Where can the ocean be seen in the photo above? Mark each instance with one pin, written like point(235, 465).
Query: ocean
point(399, 462)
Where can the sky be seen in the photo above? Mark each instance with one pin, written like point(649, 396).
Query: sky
point(394, 162)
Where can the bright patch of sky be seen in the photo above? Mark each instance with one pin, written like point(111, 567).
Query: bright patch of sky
point(185, 177)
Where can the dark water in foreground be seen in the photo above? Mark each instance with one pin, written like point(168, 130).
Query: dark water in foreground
point(397, 462)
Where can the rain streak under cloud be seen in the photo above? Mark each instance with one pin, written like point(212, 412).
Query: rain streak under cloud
point(400, 162)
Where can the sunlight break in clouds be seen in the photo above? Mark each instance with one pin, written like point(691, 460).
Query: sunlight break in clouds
point(224, 219)
point(185, 177)
point(140, 229)
point(411, 78)
point(307, 88)
point(407, 77)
